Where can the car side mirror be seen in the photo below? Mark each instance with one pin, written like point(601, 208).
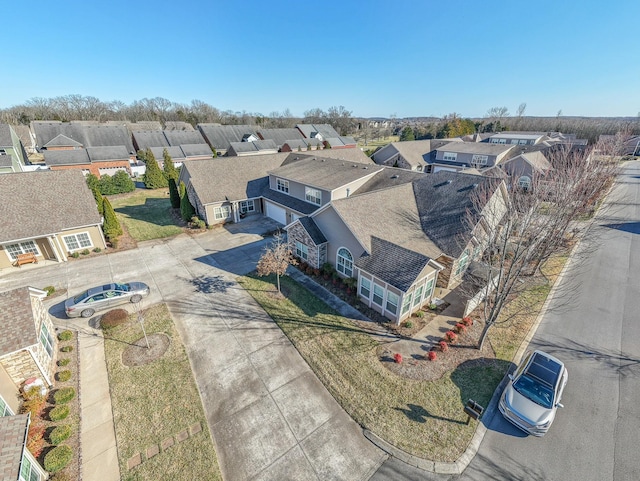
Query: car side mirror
point(559, 405)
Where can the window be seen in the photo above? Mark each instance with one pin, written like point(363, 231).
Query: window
point(222, 212)
point(21, 248)
point(524, 182)
point(514, 141)
point(429, 289)
point(378, 294)
point(479, 159)
point(522, 142)
point(450, 156)
point(77, 241)
point(282, 185)
point(406, 303)
point(5, 410)
point(302, 251)
point(462, 262)
point(28, 469)
point(392, 302)
point(313, 195)
point(345, 262)
point(365, 287)
point(46, 340)
point(247, 206)
point(417, 297)
point(502, 141)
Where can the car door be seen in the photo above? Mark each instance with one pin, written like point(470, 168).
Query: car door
point(97, 302)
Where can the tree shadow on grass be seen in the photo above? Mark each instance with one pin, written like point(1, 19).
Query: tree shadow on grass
point(420, 415)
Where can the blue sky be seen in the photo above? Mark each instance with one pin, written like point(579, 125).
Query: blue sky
point(376, 58)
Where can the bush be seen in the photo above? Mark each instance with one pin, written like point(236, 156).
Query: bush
point(66, 348)
point(419, 314)
point(58, 458)
point(302, 265)
point(460, 327)
point(33, 403)
point(451, 336)
point(85, 252)
point(97, 249)
point(197, 222)
point(444, 347)
point(433, 306)
point(398, 358)
point(75, 255)
point(63, 362)
point(114, 242)
point(467, 321)
point(408, 324)
point(114, 318)
point(59, 434)
point(432, 355)
point(35, 445)
point(65, 335)
point(50, 290)
point(63, 376)
point(59, 413)
point(64, 395)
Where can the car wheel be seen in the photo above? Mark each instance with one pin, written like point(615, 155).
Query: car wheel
point(87, 313)
point(136, 298)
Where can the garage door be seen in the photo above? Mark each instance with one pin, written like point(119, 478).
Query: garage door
point(276, 213)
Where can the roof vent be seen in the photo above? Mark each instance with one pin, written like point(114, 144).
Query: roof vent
point(394, 176)
point(448, 181)
point(365, 167)
point(354, 166)
point(296, 158)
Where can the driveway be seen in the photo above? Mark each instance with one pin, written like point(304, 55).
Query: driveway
point(269, 415)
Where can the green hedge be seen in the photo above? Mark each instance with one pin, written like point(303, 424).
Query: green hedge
point(59, 413)
point(58, 458)
point(64, 395)
point(59, 434)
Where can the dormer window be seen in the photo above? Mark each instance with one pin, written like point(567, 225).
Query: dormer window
point(282, 185)
point(313, 195)
point(452, 156)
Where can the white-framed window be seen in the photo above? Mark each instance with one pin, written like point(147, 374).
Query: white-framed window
point(282, 185)
point(502, 141)
point(392, 302)
point(479, 159)
point(524, 181)
point(428, 289)
point(365, 287)
point(345, 262)
point(378, 294)
point(5, 410)
point(46, 340)
point(406, 303)
point(462, 262)
point(82, 240)
point(222, 212)
point(302, 251)
point(29, 470)
point(522, 142)
point(450, 156)
point(417, 296)
point(514, 141)
point(313, 195)
point(247, 206)
point(21, 248)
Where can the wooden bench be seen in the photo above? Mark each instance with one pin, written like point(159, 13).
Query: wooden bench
point(28, 258)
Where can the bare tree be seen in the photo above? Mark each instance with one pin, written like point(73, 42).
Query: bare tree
point(276, 258)
point(521, 108)
point(497, 113)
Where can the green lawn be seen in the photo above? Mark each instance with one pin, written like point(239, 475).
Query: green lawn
point(146, 214)
point(424, 418)
point(155, 401)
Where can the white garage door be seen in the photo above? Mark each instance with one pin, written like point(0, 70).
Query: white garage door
point(276, 213)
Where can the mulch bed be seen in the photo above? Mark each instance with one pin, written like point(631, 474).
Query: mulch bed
point(419, 367)
point(139, 354)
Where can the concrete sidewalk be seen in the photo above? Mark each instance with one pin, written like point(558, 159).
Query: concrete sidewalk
point(97, 432)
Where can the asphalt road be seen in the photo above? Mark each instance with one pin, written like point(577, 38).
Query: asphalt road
point(592, 325)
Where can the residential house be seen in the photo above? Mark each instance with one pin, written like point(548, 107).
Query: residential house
point(98, 161)
point(280, 136)
point(28, 344)
point(327, 135)
point(401, 235)
point(629, 146)
point(13, 156)
point(16, 462)
point(411, 155)
point(55, 135)
point(516, 138)
point(301, 145)
point(48, 213)
point(526, 166)
point(181, 145)
point(254, 147)
point(219, 137)
point(458, 156)
point(348, 155)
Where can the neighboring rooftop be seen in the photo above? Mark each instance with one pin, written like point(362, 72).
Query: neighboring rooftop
point(18, 327)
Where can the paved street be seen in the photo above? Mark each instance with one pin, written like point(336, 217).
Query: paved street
point(592, 324)
point(269, 415)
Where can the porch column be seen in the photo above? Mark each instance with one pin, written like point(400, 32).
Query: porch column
point(59, 253)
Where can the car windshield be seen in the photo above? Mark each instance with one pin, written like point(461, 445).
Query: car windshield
point(535, 391)
point(80, 297)
point(122, 287)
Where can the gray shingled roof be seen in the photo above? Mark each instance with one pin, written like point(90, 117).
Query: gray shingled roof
point(13, 435)
point(443, 200)
point(5, 161)
point(349, 155)
point(62, 141)
point(176, 153)
point(192, 150)
point(280, 136)
point(309, 130)
point(145, 139)
point(179, 137)
point(254, 146)
point(324, 173)
point(64, 202)
point(18, 325)
point(475, 148)
point(313, 230)
point(220, 136)
point(536, 159)
point(104, 154)
point(5, 136)
point(294, 203)
point(89, 135)
point(396, 265)
point(389, 177)
point(232, 178)
point(66, 157)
